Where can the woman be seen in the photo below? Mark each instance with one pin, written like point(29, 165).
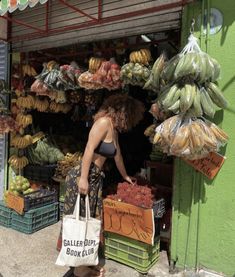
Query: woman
point(119, 113)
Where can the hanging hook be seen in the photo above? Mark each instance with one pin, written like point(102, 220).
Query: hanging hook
point(192, 26)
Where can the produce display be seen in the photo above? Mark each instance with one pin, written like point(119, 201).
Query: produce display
point(135, 74)
point(43, 152)
point(140, 196)
point(7, 124)
point(94, 64)
point(19, 186)
point(143, 56)
point(65, 165)
point(190, 97)
point(153, 82)
point(191, 75)
point(24, 120)
point(55, 77)
point(57, 107)
point(21, 142)
point(107, 76)
point(25, 102)
point(41, 105)
point(18, 162)
point(189, 137)
point(28, 70)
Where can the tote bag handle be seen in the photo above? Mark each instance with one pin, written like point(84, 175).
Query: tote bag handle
point(76, 212)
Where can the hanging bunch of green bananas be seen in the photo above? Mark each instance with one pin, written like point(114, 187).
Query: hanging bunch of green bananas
point(198, 100)
point(199, 67)
point(190, 77)
point(193, 63)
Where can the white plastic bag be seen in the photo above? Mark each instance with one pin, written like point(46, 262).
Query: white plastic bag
point(80, 238)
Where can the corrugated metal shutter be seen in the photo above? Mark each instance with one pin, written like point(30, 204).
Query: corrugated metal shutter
point(67, 26)
point(3, 139)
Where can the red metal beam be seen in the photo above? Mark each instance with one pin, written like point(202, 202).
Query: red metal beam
point(22, 23)
point(100, 9)
point(105, 20)
point(78, 10)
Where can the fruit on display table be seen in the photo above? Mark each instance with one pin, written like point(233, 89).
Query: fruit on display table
point(143, 56)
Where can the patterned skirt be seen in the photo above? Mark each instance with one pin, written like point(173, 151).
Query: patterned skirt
point(95, 180)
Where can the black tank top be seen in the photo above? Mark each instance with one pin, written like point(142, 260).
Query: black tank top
point(106, 149)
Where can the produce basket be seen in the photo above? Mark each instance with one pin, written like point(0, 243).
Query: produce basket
point(5, 215)
point(136, 254)
point(39, 198)
point(40, 173)
point(35, 219)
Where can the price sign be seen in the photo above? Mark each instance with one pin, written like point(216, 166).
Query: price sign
point(15, 202)
point(129, 221)
point(209, 166)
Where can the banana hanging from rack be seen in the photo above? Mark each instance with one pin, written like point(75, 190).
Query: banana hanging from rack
point(18, 162)
point(24, 120)
point(21, 142)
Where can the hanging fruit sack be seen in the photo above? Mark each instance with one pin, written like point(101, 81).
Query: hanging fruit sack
point(189, 137)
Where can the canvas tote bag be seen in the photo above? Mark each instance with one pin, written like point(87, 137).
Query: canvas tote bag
point(80, 238)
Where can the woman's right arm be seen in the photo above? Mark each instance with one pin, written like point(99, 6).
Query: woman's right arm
point(97, 133)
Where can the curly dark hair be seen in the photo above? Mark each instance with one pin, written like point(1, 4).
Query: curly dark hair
point(124, 111)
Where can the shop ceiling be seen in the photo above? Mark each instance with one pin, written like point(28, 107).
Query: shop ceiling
point(58, 21)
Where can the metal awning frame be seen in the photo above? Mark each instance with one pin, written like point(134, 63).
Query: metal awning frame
point(91, 22)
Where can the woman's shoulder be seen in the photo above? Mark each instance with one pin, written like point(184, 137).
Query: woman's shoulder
point(102, 122)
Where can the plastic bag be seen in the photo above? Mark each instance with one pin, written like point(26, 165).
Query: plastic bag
point(192, 63)
point(190, 138)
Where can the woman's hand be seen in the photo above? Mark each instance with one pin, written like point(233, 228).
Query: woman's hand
point(129, 180)
point(83, 186)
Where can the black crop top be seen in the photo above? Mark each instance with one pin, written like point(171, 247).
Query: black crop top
point(106, 149)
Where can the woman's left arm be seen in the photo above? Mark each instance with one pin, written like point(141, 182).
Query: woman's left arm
point(120, 164)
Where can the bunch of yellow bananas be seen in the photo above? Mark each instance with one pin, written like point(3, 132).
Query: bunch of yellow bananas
point(18, 162)
point(24, 119)
point(190, 138)
point(26, 102)
point(57, 107)
point(94, 64)
point(21, 141)
point(41, 105)
point(143, 56)
point(28, 70)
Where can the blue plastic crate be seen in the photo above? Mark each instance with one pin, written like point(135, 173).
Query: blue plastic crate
point(5, 215)
point(35, 219)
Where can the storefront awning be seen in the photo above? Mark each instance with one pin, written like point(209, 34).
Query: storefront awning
point(12, 5)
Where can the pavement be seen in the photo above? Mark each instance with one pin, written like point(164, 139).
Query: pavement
point(34, 255)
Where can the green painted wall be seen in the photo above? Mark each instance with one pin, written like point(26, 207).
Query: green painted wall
point(203, 231)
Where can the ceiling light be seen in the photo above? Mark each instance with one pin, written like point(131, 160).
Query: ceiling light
point(145, 38)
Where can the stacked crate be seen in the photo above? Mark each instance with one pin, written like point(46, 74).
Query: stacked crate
point(39, 212)
point(134, 253)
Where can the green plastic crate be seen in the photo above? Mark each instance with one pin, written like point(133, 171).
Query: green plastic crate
point(136, 254)
point(35, 219)
point(5, 215)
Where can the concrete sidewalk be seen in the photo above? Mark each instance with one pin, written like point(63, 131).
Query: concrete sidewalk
point(34, 255)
